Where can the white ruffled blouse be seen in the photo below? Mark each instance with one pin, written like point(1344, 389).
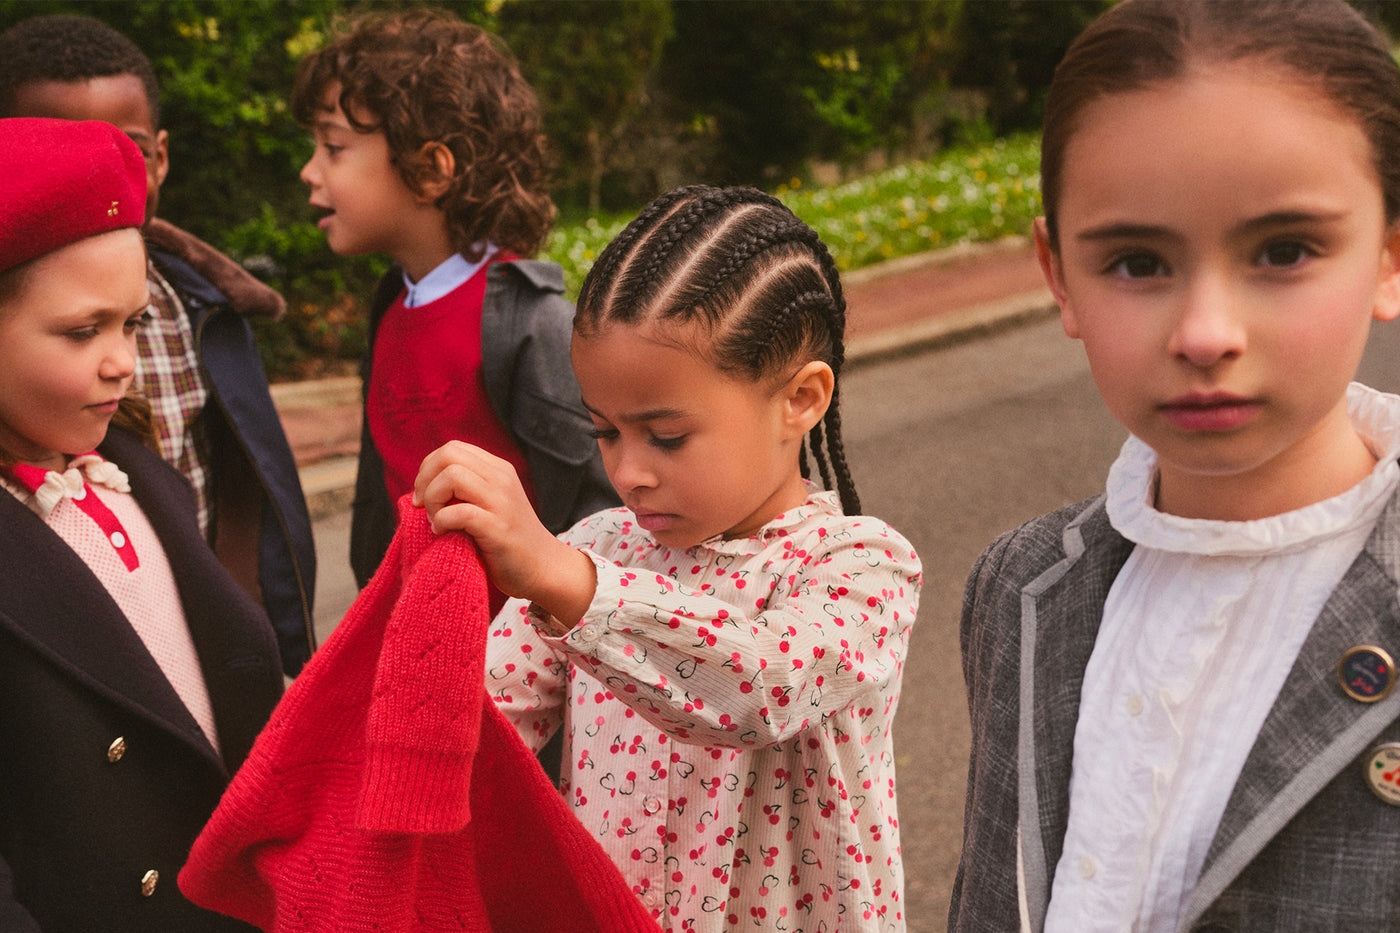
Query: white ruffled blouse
point(1165, 724)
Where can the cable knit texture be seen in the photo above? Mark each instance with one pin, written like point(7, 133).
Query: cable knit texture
point(387, 793)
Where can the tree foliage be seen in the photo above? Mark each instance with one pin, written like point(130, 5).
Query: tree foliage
point(594, 75)
point(779, 82)
point(639, 96)
point(1008, 50)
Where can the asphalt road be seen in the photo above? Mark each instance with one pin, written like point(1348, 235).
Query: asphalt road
point(951, 447)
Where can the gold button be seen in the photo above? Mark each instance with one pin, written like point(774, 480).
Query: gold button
point(148, 882)
point(116, 750)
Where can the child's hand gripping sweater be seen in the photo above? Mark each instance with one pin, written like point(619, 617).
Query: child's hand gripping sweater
point(388, 793)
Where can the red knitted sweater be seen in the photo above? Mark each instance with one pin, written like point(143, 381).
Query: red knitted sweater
point(388, 793)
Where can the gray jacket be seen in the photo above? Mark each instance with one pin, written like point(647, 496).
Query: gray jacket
point(526, 327)
point(1304, 845)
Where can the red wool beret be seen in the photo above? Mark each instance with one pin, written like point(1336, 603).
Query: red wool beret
point(63, 180)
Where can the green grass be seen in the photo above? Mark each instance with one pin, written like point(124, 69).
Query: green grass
point(964, 195)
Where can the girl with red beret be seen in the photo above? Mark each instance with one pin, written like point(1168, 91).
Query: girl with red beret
point(134, 673)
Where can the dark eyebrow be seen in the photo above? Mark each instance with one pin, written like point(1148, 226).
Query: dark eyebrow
point(1132, 231)
point(1126, 231)
point(1287, 218)
point(653, 414)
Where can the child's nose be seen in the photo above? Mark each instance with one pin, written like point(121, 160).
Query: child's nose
point(120, 360)
point(630, 471)
point(306, 175)
point(1210, 325)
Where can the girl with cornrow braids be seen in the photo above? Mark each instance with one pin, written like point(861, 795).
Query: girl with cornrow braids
point(723, 653)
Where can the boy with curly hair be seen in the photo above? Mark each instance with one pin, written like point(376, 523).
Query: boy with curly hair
point(197, 362)
point(429, 148)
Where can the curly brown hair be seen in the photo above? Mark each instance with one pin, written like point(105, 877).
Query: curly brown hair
point(422, 76)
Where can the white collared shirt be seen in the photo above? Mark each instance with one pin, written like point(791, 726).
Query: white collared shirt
point(1178, 688)
point(450, 273)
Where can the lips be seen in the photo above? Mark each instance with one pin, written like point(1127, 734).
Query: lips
point(654, 521)
point(1210, 411)
point(110, 405)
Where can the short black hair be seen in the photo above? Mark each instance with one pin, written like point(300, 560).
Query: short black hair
point(70, 48)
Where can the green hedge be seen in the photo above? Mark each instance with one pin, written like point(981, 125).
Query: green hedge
point(967, 194)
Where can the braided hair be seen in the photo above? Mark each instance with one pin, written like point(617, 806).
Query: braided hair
point(755, 278)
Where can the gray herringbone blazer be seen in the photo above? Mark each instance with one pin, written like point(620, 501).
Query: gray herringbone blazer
point(1304, 845)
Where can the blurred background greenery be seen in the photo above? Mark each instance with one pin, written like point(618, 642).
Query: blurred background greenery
point(893, 126)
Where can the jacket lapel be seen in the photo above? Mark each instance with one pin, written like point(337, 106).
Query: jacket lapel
point(66, 614)
point(237, 649)
point(1314, 730)
point(1060, 614)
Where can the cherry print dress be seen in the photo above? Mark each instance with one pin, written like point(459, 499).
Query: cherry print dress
point(728, 709)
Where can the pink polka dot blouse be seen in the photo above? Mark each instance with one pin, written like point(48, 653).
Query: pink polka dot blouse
point(728, 711)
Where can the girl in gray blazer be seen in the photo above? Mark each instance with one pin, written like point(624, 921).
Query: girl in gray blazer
point(1182, 692)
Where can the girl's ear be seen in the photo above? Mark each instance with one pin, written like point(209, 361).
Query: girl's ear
point(806, 397)
point(438, 166)
point(1388, 291)
point(1054, 272)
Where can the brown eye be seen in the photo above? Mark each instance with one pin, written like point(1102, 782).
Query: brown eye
point(1285, 253)
point(1137, 266)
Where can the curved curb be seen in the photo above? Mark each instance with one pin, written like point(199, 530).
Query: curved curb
point(951, 328)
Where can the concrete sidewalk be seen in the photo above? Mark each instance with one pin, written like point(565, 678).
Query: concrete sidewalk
point(903, 306)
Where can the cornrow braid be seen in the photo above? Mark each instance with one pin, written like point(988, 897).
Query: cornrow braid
point(751, 247)
point(844, 483)
point(665, 238)
point(765, 349)
point(605, 272)
point(814, 441)
point(759, 282)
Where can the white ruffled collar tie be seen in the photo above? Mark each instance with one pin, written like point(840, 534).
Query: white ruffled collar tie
point(50, 487)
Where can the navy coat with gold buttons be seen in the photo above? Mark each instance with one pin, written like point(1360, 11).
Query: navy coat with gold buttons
point(105, 778)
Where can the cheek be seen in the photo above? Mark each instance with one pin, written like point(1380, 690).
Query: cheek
point(609, 454)
point(1320, 352)
point(1115, 351)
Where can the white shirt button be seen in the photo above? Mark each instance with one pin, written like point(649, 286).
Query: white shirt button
point(118, 540)
point(588, 633)
point(652, 898)
point(1086, 867)
point(651, 805)
point(1135, 705)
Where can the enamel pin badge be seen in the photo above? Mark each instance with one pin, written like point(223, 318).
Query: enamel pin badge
point(1382, 766)
point(1366, 673)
